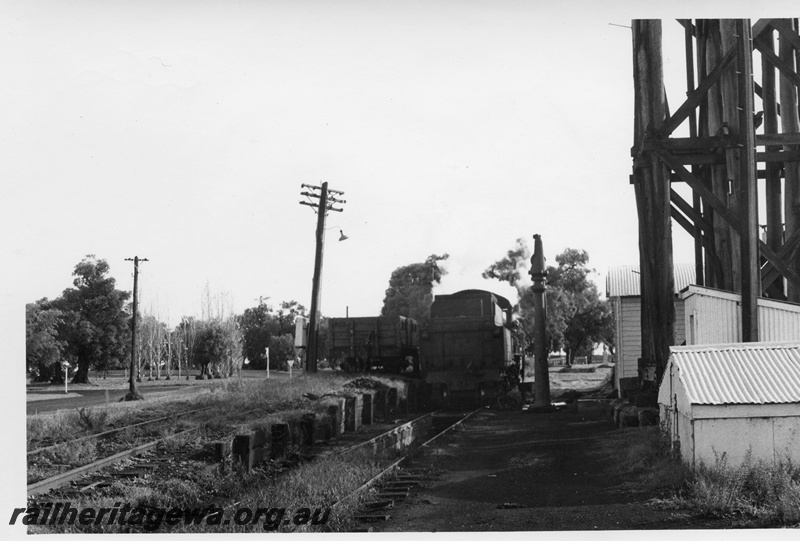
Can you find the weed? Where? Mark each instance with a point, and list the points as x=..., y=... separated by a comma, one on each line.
x=73, y=454
x=768, y=492
x=644, y=455
x=95, y=420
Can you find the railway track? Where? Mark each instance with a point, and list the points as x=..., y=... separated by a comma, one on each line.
x=153, y=463
x=393, y=484
x=112, y=453
x=108, y=433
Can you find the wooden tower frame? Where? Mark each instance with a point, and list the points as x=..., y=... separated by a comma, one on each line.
x=723, y=160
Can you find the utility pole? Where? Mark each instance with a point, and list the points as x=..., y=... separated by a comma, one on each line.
x=133, y=394
x=326, y=202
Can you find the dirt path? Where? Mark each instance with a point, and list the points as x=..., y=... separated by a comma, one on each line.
x=528, y=472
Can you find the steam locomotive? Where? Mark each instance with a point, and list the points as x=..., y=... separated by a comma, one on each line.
x=465, y=351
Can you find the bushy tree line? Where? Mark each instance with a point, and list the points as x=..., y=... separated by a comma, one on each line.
x=410, y=291
x=89, y=326
x=262, y=327
x=577, y=318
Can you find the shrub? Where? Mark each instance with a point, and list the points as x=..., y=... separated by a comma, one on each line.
x=768, y=492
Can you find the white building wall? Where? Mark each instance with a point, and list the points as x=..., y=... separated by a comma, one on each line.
x=733, y=438
x=680, y=322
x=778, y=321
x=770, y=439
x=630, y=328
x=628, y=314
x=786, y=435
x=712, y=320
x=714, y=317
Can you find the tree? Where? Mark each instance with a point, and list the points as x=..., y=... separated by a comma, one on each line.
x=152, y=333
x=210, y=347
x=95, y=326
x=410, y=291
x=281, y=350
x=287, y=314
x=577, y=318
x=188, y=331
x=42, y=346
x=259, y=324
x=586, y=315
x=218, y=348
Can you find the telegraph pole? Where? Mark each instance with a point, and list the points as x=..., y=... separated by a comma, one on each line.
x=326, y=202
x=133, y=394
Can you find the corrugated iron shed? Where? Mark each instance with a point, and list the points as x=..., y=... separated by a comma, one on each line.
x=624, y=280
x=741, y=373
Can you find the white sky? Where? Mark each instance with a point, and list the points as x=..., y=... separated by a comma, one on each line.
x=181, y=131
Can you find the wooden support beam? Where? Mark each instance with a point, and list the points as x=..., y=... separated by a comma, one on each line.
x=684, y=159
x=697, y=185
x=747, y=186
x=688, y=226
x=786, y=68
x=787, y=33
x=778, y=139
x=695, y=97
x=785, y=254
x=777, y=262
x=690, y=143
x=697, y=208
x=722, y=209
x=778, y=156
x=772, y=172
x=790, y=123
x=651, y=188
x=689, y=211
x=761, y=26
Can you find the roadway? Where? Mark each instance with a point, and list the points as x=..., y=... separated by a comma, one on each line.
x=49, y=398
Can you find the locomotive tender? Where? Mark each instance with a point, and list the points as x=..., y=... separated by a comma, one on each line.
x=467, y=349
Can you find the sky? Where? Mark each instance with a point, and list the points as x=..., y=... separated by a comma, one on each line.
x=181, y=132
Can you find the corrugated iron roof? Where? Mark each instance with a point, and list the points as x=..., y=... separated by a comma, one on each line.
x=741, y=373
x=624, y=280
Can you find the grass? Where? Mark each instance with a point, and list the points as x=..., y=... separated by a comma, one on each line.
x=759, y=493
x=643, y=456
x=224, y=396
x=312, y=485
x=766, y=492
x=317, y=484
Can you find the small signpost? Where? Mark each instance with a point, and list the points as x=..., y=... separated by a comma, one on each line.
x=290, y=363
x=266, y=352
x=66, y=365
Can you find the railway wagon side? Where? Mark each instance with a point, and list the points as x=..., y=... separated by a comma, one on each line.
x=467, y=348
x=388, y=343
